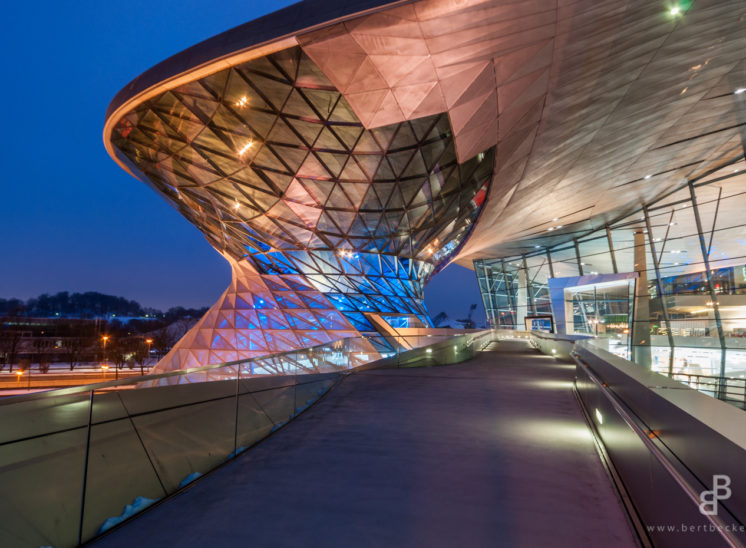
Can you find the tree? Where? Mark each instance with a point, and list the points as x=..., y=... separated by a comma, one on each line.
x=163, y=340
x=73, y=348
x=140, y=355
x=10, y=338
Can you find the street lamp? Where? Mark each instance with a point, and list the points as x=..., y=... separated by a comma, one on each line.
x=19, y=374
x=148, y=342
x=105, y=338
x=104, y=367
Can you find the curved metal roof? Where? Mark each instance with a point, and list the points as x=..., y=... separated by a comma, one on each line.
x=269, y=28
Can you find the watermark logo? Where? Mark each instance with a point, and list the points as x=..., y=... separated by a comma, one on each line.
x=708, y=505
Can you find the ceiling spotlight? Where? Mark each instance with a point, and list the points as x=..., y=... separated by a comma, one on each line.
x=648, y=176
x=242, y=102
x=676, y=10
x=550, y=228
x=559, y=226
x=739, y=91
x=555, y=219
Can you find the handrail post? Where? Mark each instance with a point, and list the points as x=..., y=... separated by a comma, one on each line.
x=85, y=466
x=235, y=422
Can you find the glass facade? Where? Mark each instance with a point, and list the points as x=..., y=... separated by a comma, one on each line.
x=685, y=311
x=269, y=161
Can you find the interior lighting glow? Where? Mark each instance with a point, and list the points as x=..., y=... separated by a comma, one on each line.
x=245, y=148
x=599, y=417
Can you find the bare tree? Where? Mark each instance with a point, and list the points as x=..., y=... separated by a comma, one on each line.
x=163, y=340
x=140, y=355
x=73, y=348
x=10, y=339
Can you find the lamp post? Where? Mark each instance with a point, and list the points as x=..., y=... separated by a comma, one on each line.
x=148, y=342
x=19, y=374
x=105, y=338
x=104, y=367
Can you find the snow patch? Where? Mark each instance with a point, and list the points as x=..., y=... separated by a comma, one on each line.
x=130, y=510
x=189, y=479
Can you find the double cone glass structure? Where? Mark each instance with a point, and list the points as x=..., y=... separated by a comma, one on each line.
x=323, y=221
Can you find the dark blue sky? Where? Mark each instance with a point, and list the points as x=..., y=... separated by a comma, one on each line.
x=71, y=219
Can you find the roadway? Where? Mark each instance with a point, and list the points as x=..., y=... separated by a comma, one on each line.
x=12, y=384
x=491, y=452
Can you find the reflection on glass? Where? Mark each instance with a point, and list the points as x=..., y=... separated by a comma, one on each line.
x=687, y=315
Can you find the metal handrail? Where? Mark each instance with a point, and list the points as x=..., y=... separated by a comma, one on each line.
x=190, y=371
x=102, y=424
x=728, y=389
x=644, y=436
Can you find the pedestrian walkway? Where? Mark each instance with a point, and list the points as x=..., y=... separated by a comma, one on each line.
x=491, y=452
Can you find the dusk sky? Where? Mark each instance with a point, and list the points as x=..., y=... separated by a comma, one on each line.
x=71, y=218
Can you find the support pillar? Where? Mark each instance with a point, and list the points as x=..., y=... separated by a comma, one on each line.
x=640, y=334
x=521, y=301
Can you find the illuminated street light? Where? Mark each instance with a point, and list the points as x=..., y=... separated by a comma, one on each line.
x=148, y=342
x=105, y=338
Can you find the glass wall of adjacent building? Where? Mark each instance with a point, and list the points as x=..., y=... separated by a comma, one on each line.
x=684, y=309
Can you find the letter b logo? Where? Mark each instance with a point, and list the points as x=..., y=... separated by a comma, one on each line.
x=708, y=505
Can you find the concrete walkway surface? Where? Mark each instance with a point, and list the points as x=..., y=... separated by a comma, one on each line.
x=491, y=452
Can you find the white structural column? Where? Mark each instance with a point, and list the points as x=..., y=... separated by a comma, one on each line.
x=521, y=301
